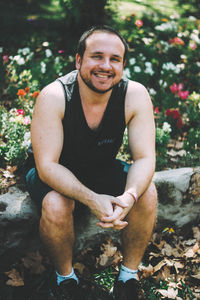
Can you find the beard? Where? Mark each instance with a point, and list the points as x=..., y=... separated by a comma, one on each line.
x=91, y=86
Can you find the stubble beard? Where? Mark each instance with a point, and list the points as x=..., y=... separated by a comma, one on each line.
x=90, y=85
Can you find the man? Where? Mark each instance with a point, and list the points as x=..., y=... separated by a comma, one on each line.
x=77, y=129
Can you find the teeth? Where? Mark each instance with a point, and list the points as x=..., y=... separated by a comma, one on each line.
x=102, y=76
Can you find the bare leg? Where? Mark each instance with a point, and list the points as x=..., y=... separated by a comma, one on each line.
x=57, y=230
x=136, y=235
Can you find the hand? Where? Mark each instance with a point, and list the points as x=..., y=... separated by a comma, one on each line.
x=103, y=206
x=116, y=220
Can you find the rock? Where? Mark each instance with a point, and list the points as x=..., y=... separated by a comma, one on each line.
x=179, y=205
x=18, y=223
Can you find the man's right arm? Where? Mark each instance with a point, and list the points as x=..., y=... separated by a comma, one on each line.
x=47, y=141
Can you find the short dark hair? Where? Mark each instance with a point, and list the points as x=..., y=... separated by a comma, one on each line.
x=101, y=28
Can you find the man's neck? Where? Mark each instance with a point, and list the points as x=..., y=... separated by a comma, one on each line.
x=90, y=96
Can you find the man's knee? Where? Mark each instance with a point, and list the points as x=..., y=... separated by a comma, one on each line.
x=56, y=207
x=148, y=201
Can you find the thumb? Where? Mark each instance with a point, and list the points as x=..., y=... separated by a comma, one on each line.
x=120, y=203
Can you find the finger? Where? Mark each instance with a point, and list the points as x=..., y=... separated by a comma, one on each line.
x=119, y=227
x=120, y=223
x=119, y=202
x=116, y=215
x=105, y=225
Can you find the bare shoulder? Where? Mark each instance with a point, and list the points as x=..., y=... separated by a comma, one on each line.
x=137, y=99
x=51, y=98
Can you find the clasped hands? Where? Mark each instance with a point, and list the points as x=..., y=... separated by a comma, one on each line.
x=113, y=210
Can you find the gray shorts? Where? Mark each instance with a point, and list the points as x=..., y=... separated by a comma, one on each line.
x=111, y=182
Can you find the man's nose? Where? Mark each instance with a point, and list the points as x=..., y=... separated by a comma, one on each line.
x=105, y=64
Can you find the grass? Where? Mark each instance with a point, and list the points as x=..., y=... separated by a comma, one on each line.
x=138, y=7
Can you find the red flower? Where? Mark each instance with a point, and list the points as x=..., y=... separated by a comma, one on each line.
x=27, y=89
x=156, y=110
x=174, y=88
x=20, y=112
x=21, y=92
x=139, y=23
x=35, y=94
x=183, y=94
x=176, y=41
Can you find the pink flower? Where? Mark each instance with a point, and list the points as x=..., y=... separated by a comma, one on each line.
x=20, y=112
x=5, y=59
x=183, y=94
x=139, y=23
x=176, y=87
x=60, y=51
x=27, y=120
x=156, y=110
x=193, y=45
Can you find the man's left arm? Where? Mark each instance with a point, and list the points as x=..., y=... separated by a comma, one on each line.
x=141, y=137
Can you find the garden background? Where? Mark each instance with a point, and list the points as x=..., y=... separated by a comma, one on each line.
x=38, y=44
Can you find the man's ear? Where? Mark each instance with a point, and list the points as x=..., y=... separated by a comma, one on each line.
x=125, y=61
x=78, y=61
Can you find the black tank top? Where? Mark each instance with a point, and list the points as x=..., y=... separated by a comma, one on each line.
x=86, y=150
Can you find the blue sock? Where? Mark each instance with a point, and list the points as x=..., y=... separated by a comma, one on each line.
x=126, y=274
x=61, y=278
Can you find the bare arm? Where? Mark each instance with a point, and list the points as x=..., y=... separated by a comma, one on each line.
x=141, y=136
x=47, y=141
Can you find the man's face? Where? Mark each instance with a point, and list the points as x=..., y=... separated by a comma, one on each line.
x=102, y=64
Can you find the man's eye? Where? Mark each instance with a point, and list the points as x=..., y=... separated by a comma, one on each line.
x=115, y=59
x=97, y=56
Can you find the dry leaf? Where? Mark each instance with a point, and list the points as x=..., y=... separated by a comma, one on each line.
x=196, y=233
x=33, y=262
x=79, y=267
x=15, y=278
x=159, y=266
x=146, y=271
x=170, y=293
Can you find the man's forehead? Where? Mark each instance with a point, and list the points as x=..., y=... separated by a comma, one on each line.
x=106, y=37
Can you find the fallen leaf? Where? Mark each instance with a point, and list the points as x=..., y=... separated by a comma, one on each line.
x=33, y=262
x=170, y=293
x=145, y=271
x=196, y=233
x=15, y=278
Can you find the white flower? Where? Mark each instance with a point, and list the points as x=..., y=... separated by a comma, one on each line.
x=183, y=56
x=181, y=66
x=27, y=140
x=43, y=67
x=137, y=69
x=166, y=127
x=165, y=45
x=20, y=60
x=168, y=26
x=194, y=37
x=24, y=51
x=191, y=18
x=147, y=41
x=149, y=69
x=163, y=83
x=169, y=66
x=152, y=92
x=1, y=49
x=132, y=61
x=45, y=44
x=48, y=52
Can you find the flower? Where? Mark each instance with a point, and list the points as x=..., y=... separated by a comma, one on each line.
x=176, y=87
x=156, y=110
x=183, y=94
x=48, y=53
x=176, y=41
x=35, y=94
x=27, y=120
x=166, y=127
x=192, y=45
x=21, y=92
x=175, y=115
x=20, y=112
x=27, y=89
x=60, y=51
x=5, y=59
x=139, y=23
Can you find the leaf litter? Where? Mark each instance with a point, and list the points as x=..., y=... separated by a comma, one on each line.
x=170, y=268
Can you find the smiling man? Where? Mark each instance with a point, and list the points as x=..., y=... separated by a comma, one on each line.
x=77, y=129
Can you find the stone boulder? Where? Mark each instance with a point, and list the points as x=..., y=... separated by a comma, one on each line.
x=179, y=205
